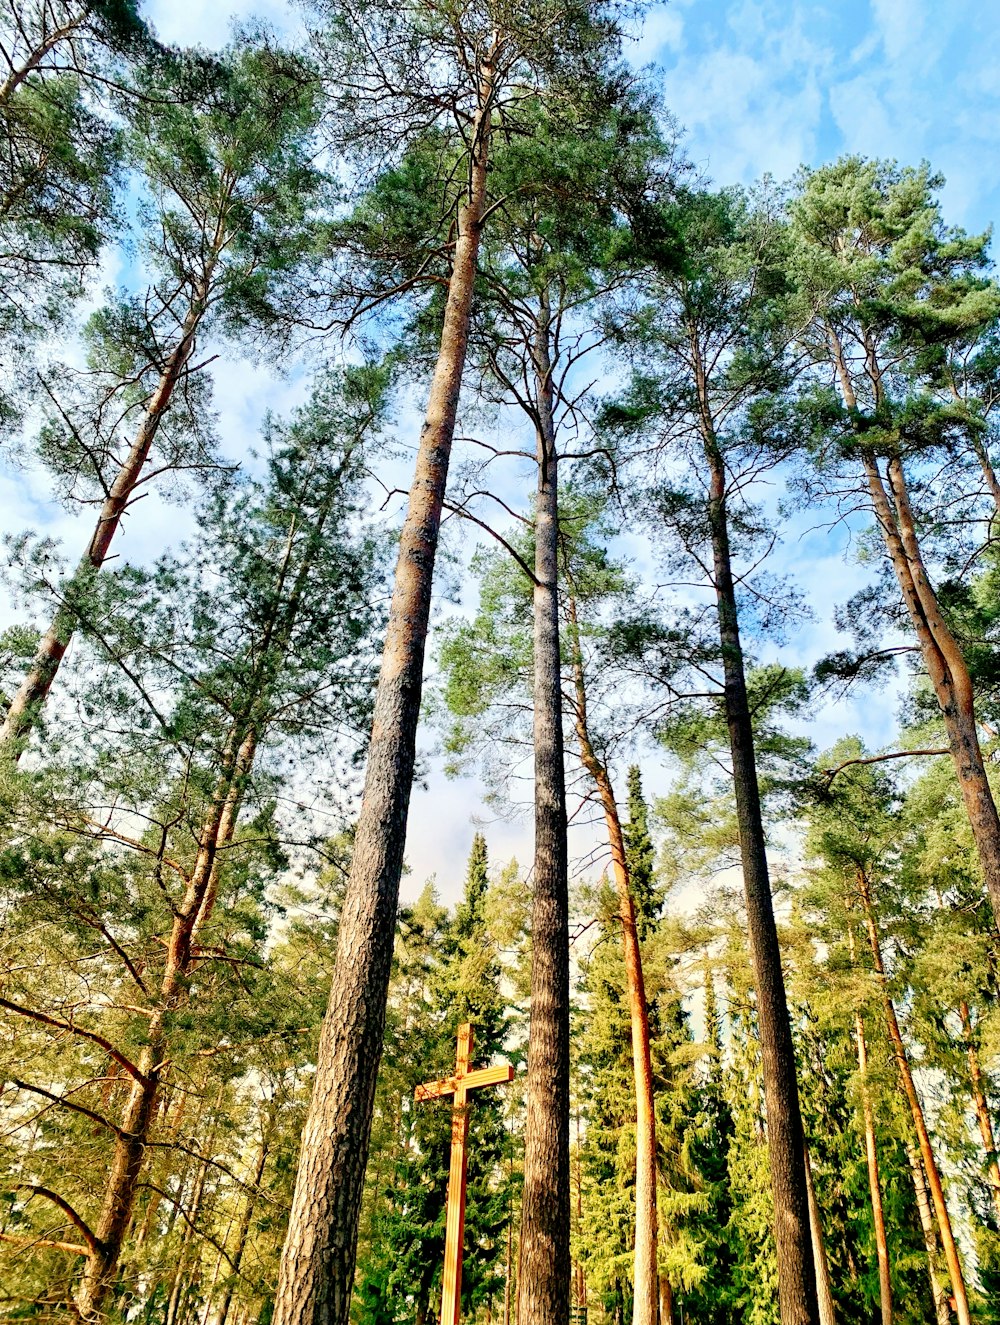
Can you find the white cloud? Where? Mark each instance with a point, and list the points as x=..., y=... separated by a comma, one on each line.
x=208, y=23
x=901, y=24
x=864, y=121
x=662, y=31
x=740, y=127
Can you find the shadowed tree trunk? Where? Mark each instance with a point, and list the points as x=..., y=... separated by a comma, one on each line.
x=666, y=1302
x=317, y=1265
x=544, y=1268
x=916, y=1110
x=785, y=1138
x=579, y=1274
x=645, y=1273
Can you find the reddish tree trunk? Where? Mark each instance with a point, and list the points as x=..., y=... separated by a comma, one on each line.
x=824, y=1289
x=916, y=1110
x=645, y=1272
x=140, y=1110
x=871, y=1159
x=982, y=1108
x=944, y=662
x=926, y=1216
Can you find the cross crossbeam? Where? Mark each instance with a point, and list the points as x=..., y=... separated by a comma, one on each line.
x=458, y=1085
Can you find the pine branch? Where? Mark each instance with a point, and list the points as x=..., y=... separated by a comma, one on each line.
x=89, y=1237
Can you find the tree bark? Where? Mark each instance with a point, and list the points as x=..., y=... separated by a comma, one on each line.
x=916, y=1109
x=986, y=465
x=786, y=1141
x=140, y=1109
x=31, y=694
x=871, y=1159
x=317, y=1264
x=938, y=1291
x=180, y=1281
x=645, y=1273
x=824, y=1290
x=544, y=1266
x=35, y=57
x=666, y=1301
x=944, y=662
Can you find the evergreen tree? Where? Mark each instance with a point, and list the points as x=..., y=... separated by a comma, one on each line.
x=238, y=671
x=881, y=274
x=60, y=165
x=226, y=223
x=717, y=354
x=445, y=972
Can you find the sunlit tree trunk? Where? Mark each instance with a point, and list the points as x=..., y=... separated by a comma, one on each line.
x=939, y=1292
x=243, y=1227
x=824, y=1289
x=31, y=694
x=982, y=1108
x=136, y=1124
x=871, y=1159
x=931, y=1170
x=317, y=1265
x=645, y=1273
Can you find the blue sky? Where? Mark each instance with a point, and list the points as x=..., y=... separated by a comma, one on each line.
x=766, y=85
x=759, y=86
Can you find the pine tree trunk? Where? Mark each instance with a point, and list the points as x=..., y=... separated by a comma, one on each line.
x=824, y=1290
x=917, y=1111
x=317, y=1264
x=874, y=1181
x=31, y=694
x=508, y=1271
x=986, y=465
x=645, y=1272
x=130, y=1146
x=938, y=1291
x=796, y=1273
x=544, y=1268
x=36, y=56
x=944, y=662
x=180, y=1280
x=871, y=1158
x=982, y=1109
x=666, y=1302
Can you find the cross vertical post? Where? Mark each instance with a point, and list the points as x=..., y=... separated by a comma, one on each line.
x=459, y=1086
x=451, y=1279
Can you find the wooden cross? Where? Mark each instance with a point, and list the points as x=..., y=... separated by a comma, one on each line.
x=459, y=1085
